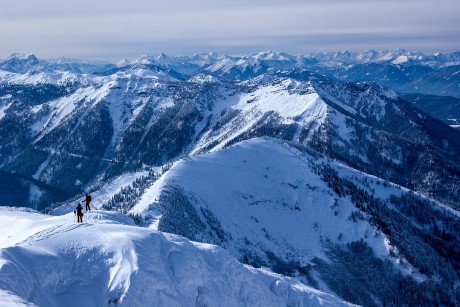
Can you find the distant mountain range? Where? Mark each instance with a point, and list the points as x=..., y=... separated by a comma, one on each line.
x=409, y=72
x=403, y=71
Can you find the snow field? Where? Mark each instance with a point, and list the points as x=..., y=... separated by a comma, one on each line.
x=51, y=261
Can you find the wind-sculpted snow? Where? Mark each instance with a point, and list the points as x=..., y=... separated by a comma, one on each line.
x=52, y=261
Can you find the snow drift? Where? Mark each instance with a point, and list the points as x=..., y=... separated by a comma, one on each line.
x=51, y=261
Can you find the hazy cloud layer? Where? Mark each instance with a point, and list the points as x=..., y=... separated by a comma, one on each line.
x=116, y=29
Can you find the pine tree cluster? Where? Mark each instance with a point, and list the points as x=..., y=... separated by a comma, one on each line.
x=425, y=234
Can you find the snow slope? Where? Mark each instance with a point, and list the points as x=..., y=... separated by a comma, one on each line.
x=290, y=101
x=305, y=216
x=105, y=261
x=267, y=198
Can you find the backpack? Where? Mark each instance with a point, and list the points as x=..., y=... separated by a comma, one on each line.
x=89, y=197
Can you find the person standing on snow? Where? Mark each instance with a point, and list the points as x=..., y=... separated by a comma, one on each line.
x=88, y=200
x=79, y=212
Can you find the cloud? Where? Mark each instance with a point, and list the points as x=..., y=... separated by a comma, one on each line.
x=101, y=28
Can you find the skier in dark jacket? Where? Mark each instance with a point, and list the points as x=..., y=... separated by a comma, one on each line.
x=79, y=212
x=87, y=201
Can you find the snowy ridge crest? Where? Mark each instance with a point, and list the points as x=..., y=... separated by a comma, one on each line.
x=125, y=265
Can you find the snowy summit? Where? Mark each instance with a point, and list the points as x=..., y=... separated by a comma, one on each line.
x=106, y=261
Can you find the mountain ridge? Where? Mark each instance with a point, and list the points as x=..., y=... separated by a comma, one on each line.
x=146, y=117
x=323, y=211
x=108, y=261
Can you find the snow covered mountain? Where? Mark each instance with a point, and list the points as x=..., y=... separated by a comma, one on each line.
x=74, y=130
x=268, y=156
x=400, y=70
x=395, y=57
x=28, y=63
x=275, y=206
x=20, y=63
x=106, y=261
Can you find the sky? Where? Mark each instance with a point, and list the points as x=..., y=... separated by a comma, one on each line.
x=113, y=30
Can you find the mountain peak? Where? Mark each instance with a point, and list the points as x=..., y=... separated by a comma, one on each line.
x=162, y=57
x=23, y=57
x=21, y=63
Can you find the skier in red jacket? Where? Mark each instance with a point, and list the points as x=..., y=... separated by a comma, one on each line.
x=88, y=200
